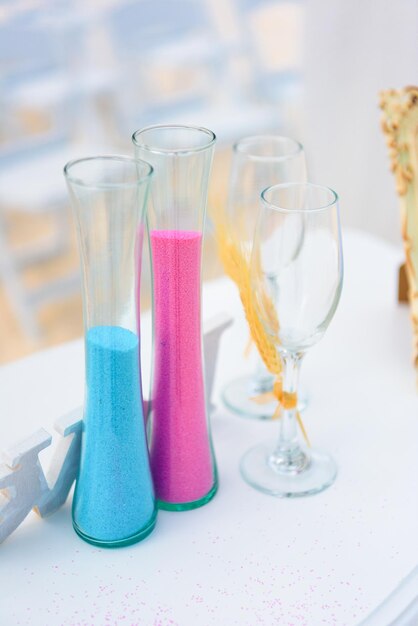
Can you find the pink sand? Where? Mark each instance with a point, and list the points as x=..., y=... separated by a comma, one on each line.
x=181, y=459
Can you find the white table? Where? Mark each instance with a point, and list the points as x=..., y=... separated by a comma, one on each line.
x=246, y=558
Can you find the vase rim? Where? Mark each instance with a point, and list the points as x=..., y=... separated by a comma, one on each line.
x=182, y=150
x=246, y=142
x=140, y=178
x=271, y=204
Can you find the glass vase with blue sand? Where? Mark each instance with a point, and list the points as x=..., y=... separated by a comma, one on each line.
x=114, y=502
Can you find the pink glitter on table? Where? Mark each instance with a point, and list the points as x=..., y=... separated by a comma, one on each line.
x=181, y=458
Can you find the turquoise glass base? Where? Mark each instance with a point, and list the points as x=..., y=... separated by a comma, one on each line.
x=188, y=506
x=119, y=543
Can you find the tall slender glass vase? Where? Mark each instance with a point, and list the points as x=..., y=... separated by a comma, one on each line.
x=114, y=502
x=182, y=459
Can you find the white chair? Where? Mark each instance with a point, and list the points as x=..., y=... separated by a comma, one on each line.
x=31, y=181
x=272, y=35
x=185, y=36
x=156, y=42
x=34, y=50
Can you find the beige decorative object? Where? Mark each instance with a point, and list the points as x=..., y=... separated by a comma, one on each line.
x=400, y=125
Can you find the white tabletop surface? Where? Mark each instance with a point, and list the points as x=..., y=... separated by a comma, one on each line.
x=246, y=558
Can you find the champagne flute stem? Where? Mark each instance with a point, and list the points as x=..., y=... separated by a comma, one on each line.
x=288, y=456
x=263, y=380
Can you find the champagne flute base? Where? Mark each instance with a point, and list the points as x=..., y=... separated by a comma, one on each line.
x=313, y=473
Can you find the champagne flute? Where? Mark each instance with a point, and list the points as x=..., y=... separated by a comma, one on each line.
x=296, y=272
x=258, y=162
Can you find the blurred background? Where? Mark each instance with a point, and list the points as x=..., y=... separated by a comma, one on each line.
x=78, y=77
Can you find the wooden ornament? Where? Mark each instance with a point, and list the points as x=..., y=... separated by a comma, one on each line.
x=400, y=126
x=22, y=480
x=402, y=284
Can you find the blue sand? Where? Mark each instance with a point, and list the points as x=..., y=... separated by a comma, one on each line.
x=114, y=496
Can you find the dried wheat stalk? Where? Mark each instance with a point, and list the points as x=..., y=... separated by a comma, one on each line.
x=237, y=267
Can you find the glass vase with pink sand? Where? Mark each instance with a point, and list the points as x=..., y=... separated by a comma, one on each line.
x=182, y=459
